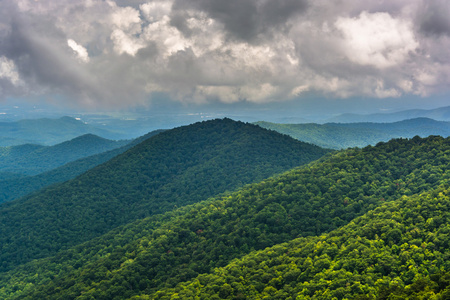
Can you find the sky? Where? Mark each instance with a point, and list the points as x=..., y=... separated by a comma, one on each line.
x=297, y=56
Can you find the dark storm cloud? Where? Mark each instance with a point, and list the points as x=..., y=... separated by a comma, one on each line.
x=43, y=59
x=434, y=18
x=46, y=64
x=31, y=50
x=243, y=19
x=117, y=53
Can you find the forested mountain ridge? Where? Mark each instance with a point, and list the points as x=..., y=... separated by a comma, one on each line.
x=347, y=135
x=174, y=168
x=14, y=188
x=35, y=159
x=162, y=251
x=397, y=251
x=47, y=131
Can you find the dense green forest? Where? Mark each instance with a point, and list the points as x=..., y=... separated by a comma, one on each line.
x=171, y=169
x=14, y=186
x=34, y=159
x=400, y=250
x=348, y=135
x=161, y=252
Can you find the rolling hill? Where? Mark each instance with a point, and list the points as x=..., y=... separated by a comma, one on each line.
x=440, y=114
x=341, y=136
x=397, y=251
x=48, y=131
x=149, y=257
x=14, y=186
x=34, y=159
x=172, y=169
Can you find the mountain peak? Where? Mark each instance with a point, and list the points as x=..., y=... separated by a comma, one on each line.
x=174, y=168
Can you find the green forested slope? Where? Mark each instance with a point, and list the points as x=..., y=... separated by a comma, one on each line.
x=12, y=188
x=161, y=251
x=9, y=155
x=34, y=159
x=400, y=250
x=341, y=136
x=326, y=135
x=174, y=168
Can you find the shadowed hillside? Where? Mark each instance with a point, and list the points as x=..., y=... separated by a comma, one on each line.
x=35, y=159
x=15, y=186
x=172, y=169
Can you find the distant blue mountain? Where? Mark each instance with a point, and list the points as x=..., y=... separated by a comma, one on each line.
x=13, y=185
x=48, y=131
x=345, y=135
x=439, y=114
x=33, y=159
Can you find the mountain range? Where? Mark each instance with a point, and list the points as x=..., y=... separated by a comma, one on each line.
x=32, y=159
x=14, y=185
x=48, y=131
x=163, y=221
x=347, y=135
x=439, y=114
x=171, y=169
x=14, y=160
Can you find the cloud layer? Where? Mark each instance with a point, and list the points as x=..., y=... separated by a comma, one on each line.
x=104, y=53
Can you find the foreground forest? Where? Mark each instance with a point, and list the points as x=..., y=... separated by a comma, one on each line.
x=328, y=222
x=397, y=251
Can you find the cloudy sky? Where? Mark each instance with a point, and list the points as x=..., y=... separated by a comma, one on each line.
x=128, y=53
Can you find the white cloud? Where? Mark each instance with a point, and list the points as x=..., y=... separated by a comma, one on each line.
x=168, y=38
x=125, y=18
x=124, y=43
x=259, y=93
x=427, y=78
x=226, y=94
x=297, y=91
x=8, y=70
x=156, y=10
x=382, y=92
x=377, y=39
x=81, y=52
x=406, y=85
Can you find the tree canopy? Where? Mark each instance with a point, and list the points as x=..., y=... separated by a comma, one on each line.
x=169, y=170
x=355, y=199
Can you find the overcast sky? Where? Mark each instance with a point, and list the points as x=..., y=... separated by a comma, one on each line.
x=117, y=54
